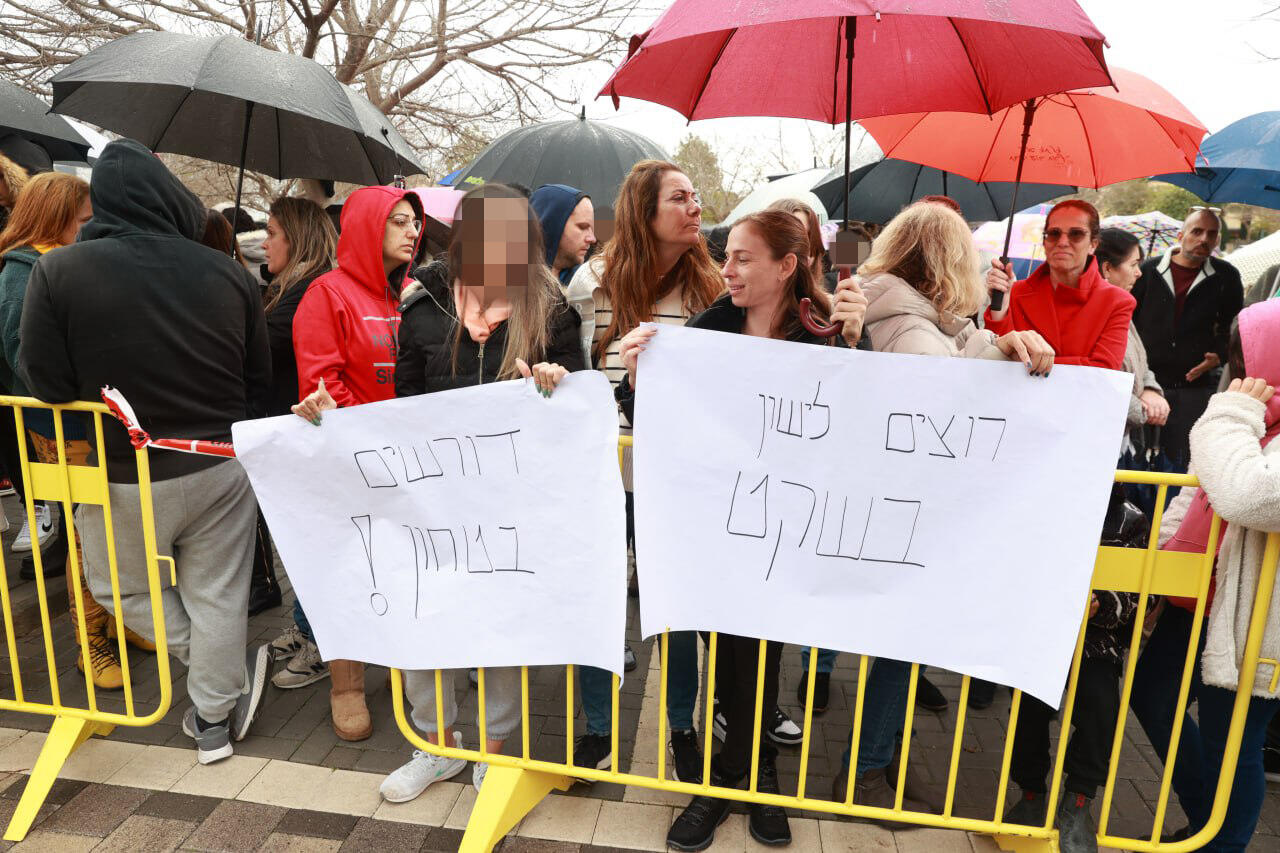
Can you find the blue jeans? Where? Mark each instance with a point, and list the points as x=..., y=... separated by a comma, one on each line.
x=1201, y=747
x=300, y=619
x=826, y=659
x=596, y=687
x=884, y=712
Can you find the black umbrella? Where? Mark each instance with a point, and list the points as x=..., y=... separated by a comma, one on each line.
x=877, y=191
x=587, y=155
x=230, y=101
x=25, y=115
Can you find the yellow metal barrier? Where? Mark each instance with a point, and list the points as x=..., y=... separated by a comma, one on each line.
x=514, y=784
x=76, y=716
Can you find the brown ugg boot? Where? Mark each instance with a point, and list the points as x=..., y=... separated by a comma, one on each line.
x=346, y=700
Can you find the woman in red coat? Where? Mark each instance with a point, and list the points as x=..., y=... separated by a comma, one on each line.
x=1066, y=299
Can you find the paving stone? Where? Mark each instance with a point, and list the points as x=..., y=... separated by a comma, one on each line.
x=62, y=790
x=235, y=826
x=442, y=840
x=279, y=842
x=167, y=804
x=538, y=845
x=370, y=834
x=146, y=832
x=96, y=810
x=318, y=824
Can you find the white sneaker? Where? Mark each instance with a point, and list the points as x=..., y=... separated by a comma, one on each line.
x=306, y=667
x=477, y=774
x=424, y=769
x=288, y=643
x=46, y=524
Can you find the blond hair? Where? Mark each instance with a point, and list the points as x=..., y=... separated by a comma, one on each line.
x=930, y=247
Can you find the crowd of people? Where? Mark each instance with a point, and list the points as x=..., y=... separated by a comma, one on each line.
x=130, y=281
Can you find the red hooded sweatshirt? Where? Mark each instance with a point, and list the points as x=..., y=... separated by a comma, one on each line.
x=346, y=327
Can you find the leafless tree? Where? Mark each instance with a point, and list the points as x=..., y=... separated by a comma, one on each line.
x=448, y=72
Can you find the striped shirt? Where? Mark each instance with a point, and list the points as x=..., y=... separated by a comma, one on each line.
x=586, y=295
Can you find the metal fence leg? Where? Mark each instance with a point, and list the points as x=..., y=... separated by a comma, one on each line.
x=1023, y=844
x=66, y=734
x=507, y=796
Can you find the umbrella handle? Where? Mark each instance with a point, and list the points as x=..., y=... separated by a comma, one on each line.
x=812, y=325
x=997, y=296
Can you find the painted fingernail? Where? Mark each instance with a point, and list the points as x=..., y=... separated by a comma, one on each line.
x=315, y=421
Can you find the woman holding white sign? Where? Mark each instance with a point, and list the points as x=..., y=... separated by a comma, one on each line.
x=344, y=337
x=767, y=272
x=922, y=284
x=500, y=296
x=655, y=268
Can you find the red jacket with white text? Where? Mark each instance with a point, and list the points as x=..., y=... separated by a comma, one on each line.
x=346, y=326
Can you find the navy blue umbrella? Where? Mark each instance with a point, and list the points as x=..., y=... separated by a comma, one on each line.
x=877, y=191
x=1240, y=163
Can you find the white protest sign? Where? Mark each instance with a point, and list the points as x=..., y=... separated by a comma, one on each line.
x=478, y=527
x=945, y=511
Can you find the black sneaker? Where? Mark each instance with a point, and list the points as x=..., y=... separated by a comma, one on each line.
x=981, y=694
x=594, y=751
x=1177, y=835
x=695, y=828
x=929, y=697
x=719, y=722
x=686, y=757
x=1074, y=833
x=628, y=659
x=821, y=691
x=768, y=824
x=783, y=730
x=1030, y=810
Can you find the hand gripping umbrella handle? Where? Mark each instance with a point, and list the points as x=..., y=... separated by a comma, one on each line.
x=812, y=325
x=997, y=296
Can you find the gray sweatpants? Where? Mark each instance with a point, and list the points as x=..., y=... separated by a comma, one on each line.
x=205, y=521
x=501, y=698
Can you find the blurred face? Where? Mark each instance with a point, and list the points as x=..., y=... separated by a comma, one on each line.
x=83, y=215
x=1199, y=236
x=276, y=247
x=578, y=237
x=495, y=246
x=1068, y=242
x=678, y=219
x=400, y=236
x=1127, y=273
x=755, y=279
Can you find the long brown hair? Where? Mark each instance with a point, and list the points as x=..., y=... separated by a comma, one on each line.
x=45, y=208
x=528, y=327
x=313, y=242
x=630, y=278
x=784, y=235
x=796, y=207
x=929, y=246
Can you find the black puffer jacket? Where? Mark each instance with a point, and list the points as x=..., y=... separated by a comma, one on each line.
x=428, y=318
x=723, y=316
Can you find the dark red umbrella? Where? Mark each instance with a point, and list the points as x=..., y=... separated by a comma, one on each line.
x=836, y=60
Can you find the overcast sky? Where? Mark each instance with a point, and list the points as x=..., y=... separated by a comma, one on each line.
x=1205, y=52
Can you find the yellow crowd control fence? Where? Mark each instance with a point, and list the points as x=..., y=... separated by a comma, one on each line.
x=514, y=784
x=67, y=477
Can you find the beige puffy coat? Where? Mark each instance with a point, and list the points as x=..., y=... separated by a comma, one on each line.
x=900, y=319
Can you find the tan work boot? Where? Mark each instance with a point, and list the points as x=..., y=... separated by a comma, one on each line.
x=131, y=637
x=102, y=655
x=346, y=700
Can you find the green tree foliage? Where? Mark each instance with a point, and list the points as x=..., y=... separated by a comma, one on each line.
x=696, y=159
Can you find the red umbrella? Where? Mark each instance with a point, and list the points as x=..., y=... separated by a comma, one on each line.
x=801, y=58
x=1086, y=137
